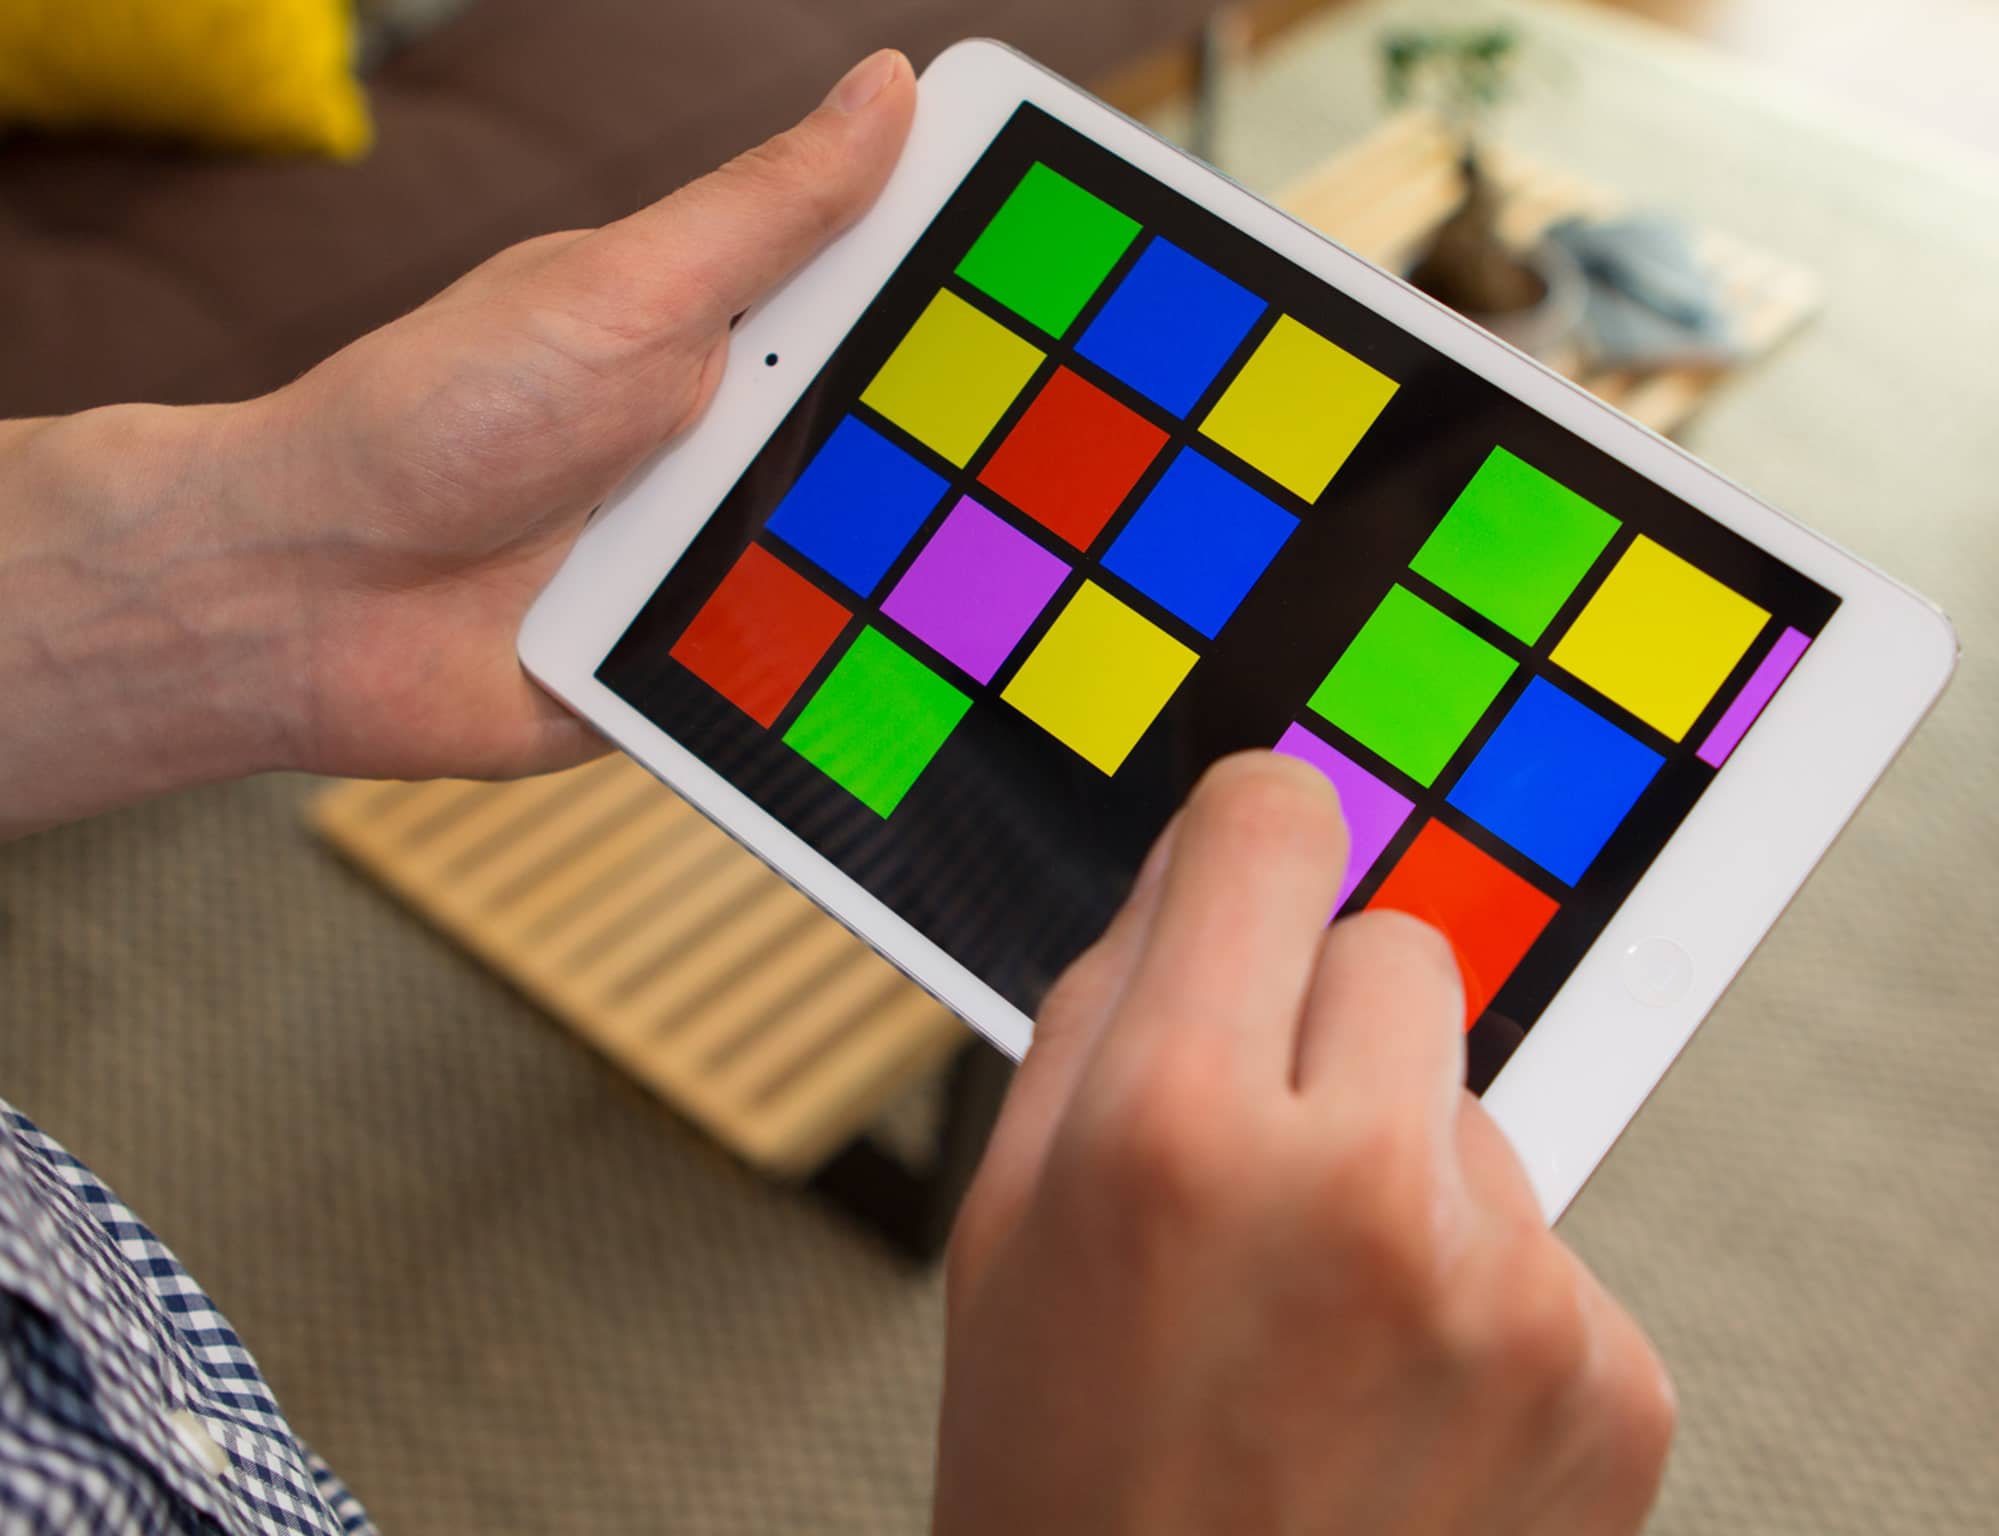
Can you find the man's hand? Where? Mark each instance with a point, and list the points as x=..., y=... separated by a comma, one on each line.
x=331, y=577
x=437, y=471
x=1244, y=1255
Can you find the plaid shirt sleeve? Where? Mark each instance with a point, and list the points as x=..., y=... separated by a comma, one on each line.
x=127, y=1403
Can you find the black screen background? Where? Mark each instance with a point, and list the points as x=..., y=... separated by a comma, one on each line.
x=1010, y=852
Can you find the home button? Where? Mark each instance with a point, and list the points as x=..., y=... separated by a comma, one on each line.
x=1656, y=972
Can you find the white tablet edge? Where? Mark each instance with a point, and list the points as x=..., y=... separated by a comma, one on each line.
x=1722, y=880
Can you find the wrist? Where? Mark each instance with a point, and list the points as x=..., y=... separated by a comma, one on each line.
x=146, y=616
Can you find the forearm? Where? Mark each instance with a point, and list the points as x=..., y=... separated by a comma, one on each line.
x=145, y=616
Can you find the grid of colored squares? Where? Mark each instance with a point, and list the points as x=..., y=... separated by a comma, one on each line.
x=1554, y=776
x=1013, y=531
x=1293, y=410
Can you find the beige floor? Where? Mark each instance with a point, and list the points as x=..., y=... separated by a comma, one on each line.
x=503, y=1293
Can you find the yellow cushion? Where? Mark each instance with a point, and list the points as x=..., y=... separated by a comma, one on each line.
x=267, y=75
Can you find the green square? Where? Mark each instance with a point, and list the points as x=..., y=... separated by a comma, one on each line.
x=1048, y=249
x=1514, y=545
x=1412, y=685
x=876, y=721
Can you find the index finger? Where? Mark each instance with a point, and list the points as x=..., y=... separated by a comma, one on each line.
x=1229, y=957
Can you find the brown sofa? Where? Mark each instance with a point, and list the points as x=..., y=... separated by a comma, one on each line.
x=132, y=274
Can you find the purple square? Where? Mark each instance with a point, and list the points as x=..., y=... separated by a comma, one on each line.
x=1374, y=812
x=974, y=590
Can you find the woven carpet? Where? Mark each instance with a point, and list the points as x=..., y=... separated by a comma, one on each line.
x=503, y=1292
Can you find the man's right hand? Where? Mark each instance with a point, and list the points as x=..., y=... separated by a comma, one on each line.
x=1245, y=1257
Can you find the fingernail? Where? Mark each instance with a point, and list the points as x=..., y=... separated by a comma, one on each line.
x=864, y=82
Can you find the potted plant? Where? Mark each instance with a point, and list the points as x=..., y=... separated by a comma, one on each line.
x=1532, y=298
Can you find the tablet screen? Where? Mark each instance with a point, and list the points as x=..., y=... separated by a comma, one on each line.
x=1100, y=489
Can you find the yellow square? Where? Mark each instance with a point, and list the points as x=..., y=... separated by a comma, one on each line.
x=952, y=377
x=1660, y=637
x=1099, y=677
x=1299, y=407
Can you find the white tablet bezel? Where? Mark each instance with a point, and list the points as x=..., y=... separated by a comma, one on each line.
x=1725, y=876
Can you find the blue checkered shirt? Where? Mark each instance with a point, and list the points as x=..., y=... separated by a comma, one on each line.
x=127, y=1403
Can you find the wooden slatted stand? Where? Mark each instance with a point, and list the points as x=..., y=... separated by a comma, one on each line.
x=1385, y=195
x=650, y=933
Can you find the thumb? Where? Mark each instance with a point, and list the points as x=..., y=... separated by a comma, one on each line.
x=700, y=257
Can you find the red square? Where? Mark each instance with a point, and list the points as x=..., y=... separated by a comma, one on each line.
x=760, y=635
x=1491, y=916
x=1073, y=458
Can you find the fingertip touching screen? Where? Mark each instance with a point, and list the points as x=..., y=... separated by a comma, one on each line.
x=1101, y=489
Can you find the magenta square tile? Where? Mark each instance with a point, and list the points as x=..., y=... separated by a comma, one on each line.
x=1374, y=812
x=975, y=588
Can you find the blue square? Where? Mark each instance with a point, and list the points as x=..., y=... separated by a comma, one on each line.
x=1170, y=326
x=1555, y=780
x=856, y=506
x=1199, y=541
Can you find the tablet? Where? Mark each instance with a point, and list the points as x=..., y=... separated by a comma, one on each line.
x=1074, y=467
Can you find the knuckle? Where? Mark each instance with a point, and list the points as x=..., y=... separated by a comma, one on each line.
x=514, y=262
x=1522, y=1321
x=1161, y=1160
x=1538, y=1337
x=535, y=247
x=1644, y=1418
x=1393, y=1230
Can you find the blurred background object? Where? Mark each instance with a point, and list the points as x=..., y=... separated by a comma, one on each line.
x=1579, y=289
x=501, y=1288
x=383, y=26
x=1528, y=294
x=247, y=76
